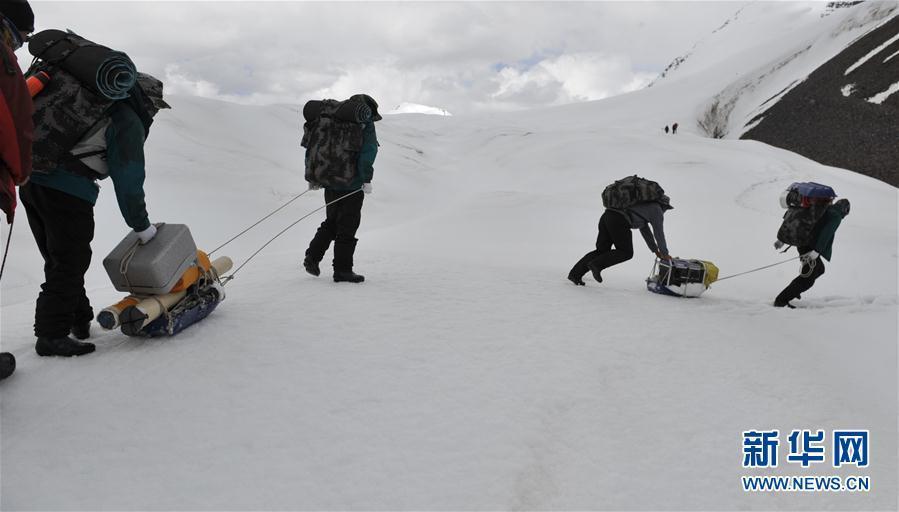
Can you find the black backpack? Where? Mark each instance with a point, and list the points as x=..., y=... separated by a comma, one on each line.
x=806, y=204
x=81, y=82
x=629, y=191
x=332, y=136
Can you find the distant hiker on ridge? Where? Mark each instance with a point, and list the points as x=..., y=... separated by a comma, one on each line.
x=631, y=203
x=16, y=127
x=674, y=129
x=103, y=137
x=666, y=128
x=341, y=146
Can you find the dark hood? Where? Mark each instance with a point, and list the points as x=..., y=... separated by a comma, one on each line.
x=372, y=104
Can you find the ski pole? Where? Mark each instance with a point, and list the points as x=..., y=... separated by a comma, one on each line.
x=757, y=269
x=6, y=251
x=259, y=221
x=228, y=278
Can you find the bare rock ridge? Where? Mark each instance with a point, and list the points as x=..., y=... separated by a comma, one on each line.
x=846, y=113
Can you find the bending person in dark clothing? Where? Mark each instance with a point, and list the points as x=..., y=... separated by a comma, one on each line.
x=615, y=231
x=822, y=247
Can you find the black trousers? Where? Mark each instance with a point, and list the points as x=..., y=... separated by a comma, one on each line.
x=614, y=231
x=341, y=222
x=63, y=227
x=810, y=273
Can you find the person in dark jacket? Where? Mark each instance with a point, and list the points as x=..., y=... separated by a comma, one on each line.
x=344, y=211
x=615, y=244
x=60, y=207
x=811, y=256
x=16, y=125
x=674, y=129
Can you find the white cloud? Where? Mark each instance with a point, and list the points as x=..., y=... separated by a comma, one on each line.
x=461, y=56
x=569, y=78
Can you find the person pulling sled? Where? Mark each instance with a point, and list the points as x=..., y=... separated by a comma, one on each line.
x=92, y=116
x=341, y=146
x=631, y=203
x=810, y=224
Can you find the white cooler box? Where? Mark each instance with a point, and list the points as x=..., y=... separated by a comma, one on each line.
x=154, y=268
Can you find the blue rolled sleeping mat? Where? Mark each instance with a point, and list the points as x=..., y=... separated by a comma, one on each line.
x=107, y=72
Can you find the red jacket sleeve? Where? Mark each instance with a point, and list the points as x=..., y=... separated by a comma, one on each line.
x=15, y=118
x=16, y=130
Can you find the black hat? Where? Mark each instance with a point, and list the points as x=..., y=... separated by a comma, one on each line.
x=20, y=13
x=843, y=206
x=152, y=88
x=665, y=201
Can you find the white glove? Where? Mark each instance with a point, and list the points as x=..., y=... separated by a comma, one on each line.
x=809, y=256
x=778, y=244
x=366, y=187
x=146, y=235
x=314, y=186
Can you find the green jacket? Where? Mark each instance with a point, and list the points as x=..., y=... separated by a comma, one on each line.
x=826, y=231
x=125, y=138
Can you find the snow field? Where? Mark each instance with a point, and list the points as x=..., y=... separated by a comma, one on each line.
x=467, y=372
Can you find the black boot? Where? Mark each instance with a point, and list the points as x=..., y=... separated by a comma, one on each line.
x=311, y=266
x=783, y=300
x=596, y=271
x=347, y=276
x=82, y=331
x=65, y=347
x=574, y=278
x=7, y=365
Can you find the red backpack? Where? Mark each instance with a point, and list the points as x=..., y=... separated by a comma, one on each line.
x=16, y=131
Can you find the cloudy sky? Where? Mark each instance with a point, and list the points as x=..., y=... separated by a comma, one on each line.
x=462, y=56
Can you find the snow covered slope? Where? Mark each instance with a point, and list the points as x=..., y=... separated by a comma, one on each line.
x=758, y=55
x=466, y=372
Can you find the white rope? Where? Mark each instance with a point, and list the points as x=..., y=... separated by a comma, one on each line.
x=259, y=221
x=757, y=269
x=126, y=262
x=228, y=278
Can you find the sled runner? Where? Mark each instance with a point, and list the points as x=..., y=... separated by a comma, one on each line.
x=681, y=278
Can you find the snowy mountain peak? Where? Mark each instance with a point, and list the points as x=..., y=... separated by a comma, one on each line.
x=415, y=108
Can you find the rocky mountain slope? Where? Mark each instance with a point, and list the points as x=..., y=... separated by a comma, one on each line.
x=811, y=78
x=846, y=113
